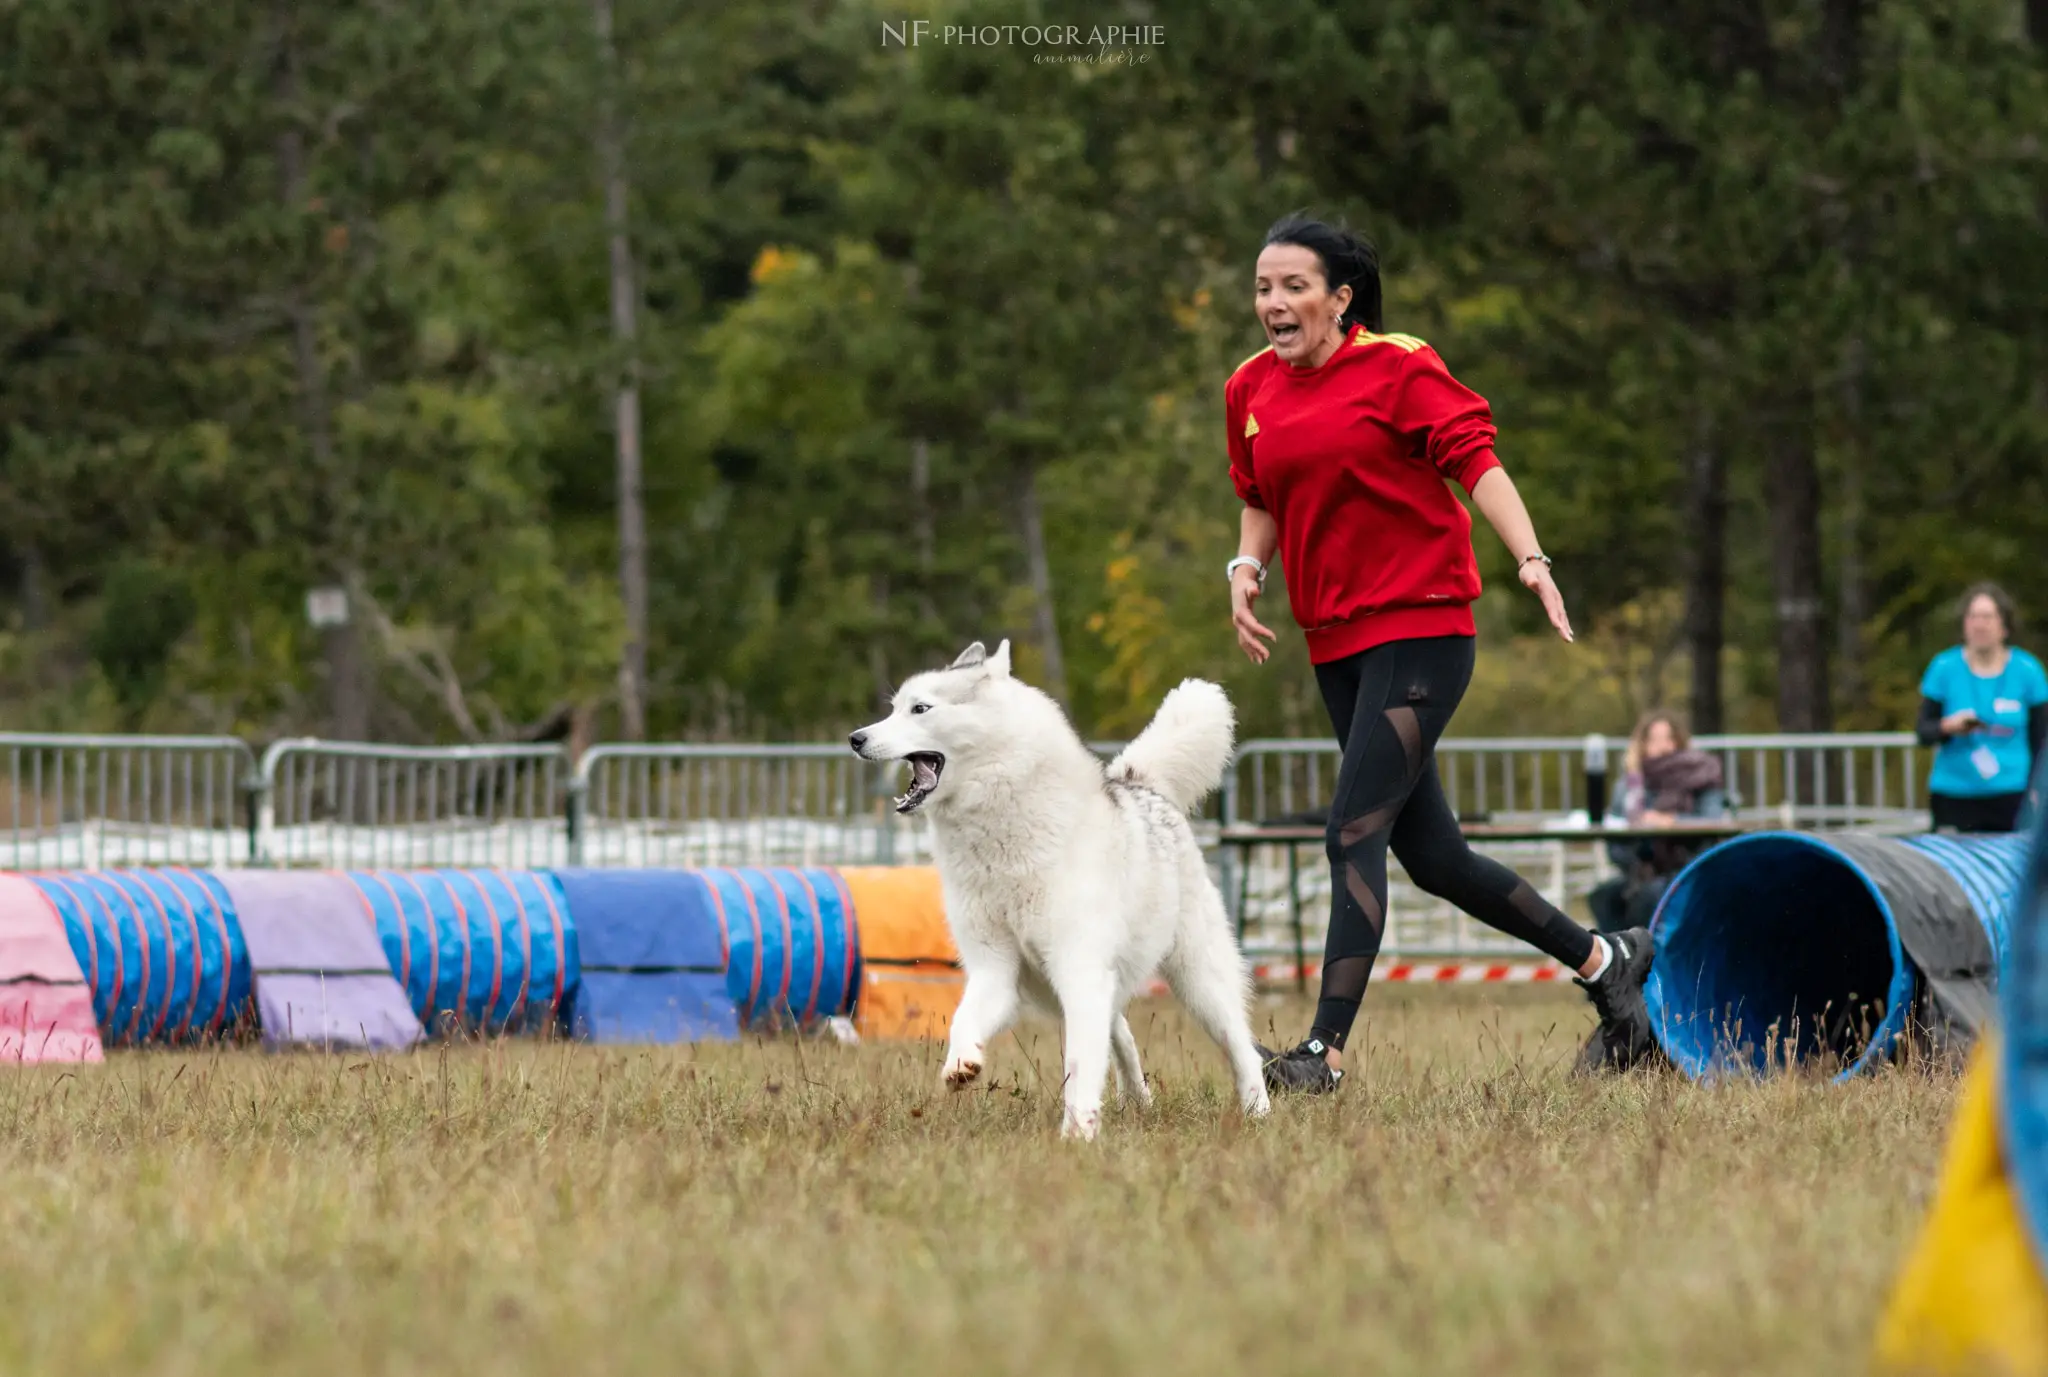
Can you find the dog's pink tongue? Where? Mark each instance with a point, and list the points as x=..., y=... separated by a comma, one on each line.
x=922, y=774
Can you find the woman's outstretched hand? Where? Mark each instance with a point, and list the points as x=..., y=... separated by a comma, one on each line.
x=1244, y=591
x=1536, y=578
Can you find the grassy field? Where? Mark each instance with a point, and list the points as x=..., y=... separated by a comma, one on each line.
x=1461, y=1208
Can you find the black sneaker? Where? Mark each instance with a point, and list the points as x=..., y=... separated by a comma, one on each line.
x=1623, y=1038
x=1302, y=1070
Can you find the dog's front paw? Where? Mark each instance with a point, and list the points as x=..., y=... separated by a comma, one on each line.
x=1258, y=1107
x=1076, y=1127
x=960, y=1072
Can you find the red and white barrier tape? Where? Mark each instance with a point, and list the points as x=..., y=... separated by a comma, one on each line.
x=1438, y=972
x=1422, y=973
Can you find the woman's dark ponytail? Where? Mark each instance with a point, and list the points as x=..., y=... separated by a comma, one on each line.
x=1349, y=260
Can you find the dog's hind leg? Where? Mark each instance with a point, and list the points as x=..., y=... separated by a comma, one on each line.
x=1088, y=1009
x=1130, y=1076
x=1208, y=976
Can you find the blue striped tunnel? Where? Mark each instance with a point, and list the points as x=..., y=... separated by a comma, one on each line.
x=793, y=944
x=161, y=950
x=488, y=950
x=1801, y=947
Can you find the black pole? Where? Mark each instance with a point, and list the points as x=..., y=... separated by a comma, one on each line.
x=1596, y=778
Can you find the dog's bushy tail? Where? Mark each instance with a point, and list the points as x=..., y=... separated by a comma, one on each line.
x=1183, y=751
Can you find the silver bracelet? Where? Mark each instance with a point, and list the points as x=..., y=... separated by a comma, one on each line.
x=1230, y=569
x=1526, y=558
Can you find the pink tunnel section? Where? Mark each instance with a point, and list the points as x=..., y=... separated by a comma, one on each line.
x=45, y=1009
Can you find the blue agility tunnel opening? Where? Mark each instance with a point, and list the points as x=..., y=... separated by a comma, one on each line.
x=1772, y=948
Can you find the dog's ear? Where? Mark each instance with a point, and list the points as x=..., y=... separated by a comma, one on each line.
x=999, y=663
x=972, y=656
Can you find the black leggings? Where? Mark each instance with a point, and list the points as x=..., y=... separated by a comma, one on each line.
x=1983, y=813
x=1389, y=705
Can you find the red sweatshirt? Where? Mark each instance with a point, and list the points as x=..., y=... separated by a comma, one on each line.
x=1351, y=458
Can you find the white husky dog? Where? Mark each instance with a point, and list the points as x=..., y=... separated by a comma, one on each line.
x=1068, y=883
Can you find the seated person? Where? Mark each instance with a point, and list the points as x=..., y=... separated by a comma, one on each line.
x=1665, y=780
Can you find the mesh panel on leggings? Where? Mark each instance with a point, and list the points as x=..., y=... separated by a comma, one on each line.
x=1408, y=727
x=1344, y=986
x=1380, y=819
x=1367, y=901
x=1345, y=977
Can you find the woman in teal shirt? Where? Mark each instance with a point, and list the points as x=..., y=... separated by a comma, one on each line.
x=1984, y=704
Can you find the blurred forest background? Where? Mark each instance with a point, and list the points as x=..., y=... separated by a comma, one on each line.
x=685, y=367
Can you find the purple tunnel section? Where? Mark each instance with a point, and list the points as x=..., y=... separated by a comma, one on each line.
x=321, y=977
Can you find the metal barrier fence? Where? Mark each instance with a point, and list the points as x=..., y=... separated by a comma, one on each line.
x=1863, y=781
x=687, y=804
x=1417, y=925
x=110, y=801
x=346, y=805
x=1838, y=780
x=739, y=805
x=93, y=802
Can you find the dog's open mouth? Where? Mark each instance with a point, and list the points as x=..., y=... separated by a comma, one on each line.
x=925, y=769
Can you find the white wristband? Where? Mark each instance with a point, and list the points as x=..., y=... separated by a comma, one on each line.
x=1230, y=569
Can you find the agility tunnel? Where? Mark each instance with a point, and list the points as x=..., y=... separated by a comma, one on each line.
x=1785, y=947
x=475, y=951
x=617, y=955
x=382, y=959
x=161, y=952
x=46, y=1008
x=652, y=957
x=320, y=974
x=911, y=978
x=793, y=944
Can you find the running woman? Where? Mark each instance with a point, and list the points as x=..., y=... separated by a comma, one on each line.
x=1341, y=440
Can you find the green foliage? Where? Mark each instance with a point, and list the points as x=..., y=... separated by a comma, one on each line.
x=300, y=295
x=144, y=612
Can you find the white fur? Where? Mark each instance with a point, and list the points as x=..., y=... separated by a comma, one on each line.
x=1069, y=886
x=1184, y=751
